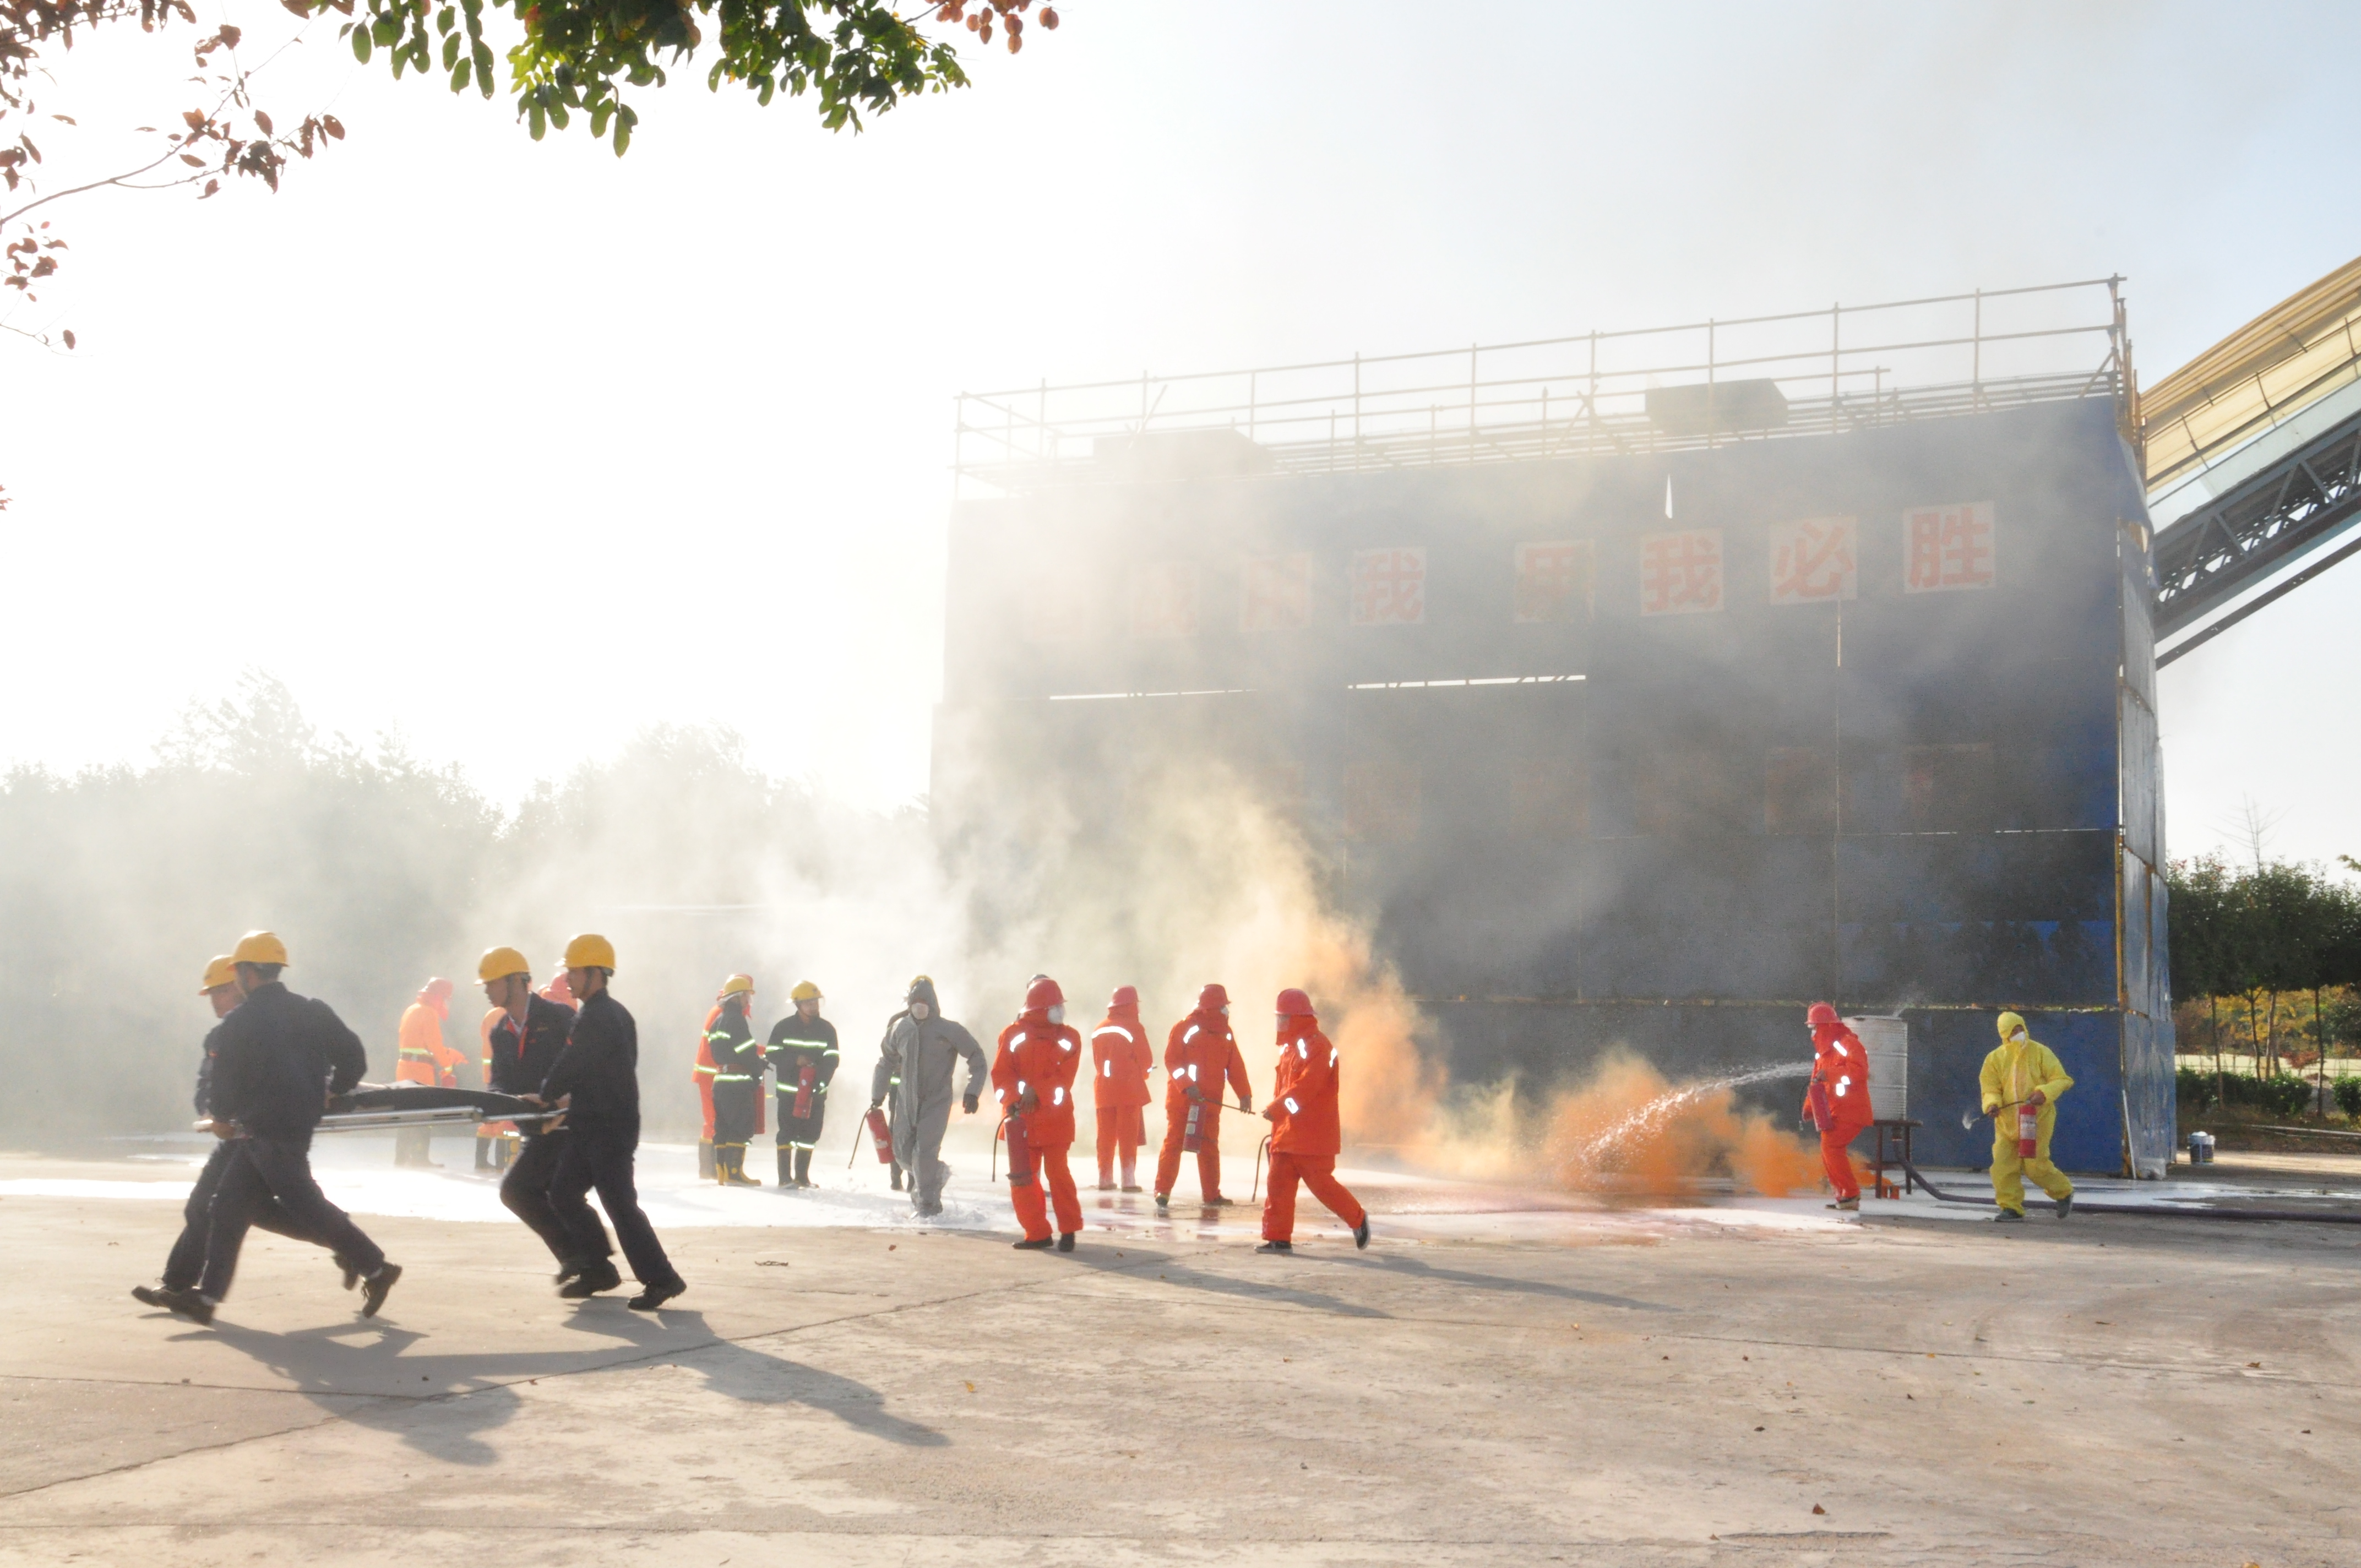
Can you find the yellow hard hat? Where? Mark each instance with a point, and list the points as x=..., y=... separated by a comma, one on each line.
x=499, y=963
x=737, y=982
x=804, y=991
x=258, y=948
x=2011, y=1026
x=221, y=972
x=588, y=951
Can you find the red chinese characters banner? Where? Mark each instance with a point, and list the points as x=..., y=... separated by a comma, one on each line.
x=1680, y=573
x=1164, y=599
x=1553, y=581
x=1389, y=587
x=1815, y=560
x=1946, y=547
x=1275, y=593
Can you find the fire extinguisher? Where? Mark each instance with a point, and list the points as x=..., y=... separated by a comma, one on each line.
x=1020, y=1147
x=881, y=1134
x=1192, y=1132
x=803, y=1081
x=2028, y=1131
x=1815, y=1101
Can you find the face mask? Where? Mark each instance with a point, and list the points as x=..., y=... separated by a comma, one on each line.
x=1057, y=1013
x=1225, y=1009
x=1280, y=1019
x=917, y=1010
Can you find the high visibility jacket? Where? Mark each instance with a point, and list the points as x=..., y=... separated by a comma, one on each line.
x=1304, y=1092
x=1045, y=1057
x=2014, y=1070
x=1199, y=1054
x=1121, y=1060
x=730, y=1041
x=1841, y=1069
x=797, y=1043
x=423, y=1057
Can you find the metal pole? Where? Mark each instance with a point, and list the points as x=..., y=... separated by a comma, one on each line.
x=1471, y=401
x=1976, y=363
x=1356, y=411
x=1712, y=416
x=1835, y=364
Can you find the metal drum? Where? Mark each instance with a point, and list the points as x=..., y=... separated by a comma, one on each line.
x=1888, y=1042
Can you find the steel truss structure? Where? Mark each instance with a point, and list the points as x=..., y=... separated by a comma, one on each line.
x=2290, y=510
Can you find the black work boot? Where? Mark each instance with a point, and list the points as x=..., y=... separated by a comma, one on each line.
x=1276, y=1246
x=378, y=1287
x=1065, y=1241
x=803, y=1167
x=787, y=1167
x=591, y=1279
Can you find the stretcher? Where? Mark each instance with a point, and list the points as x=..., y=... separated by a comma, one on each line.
x=384, y=1107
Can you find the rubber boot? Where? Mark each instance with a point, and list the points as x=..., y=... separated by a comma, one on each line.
x=720, y=1168
x=897, y=1178
x=705, y=1159
x=786, y=1166
x=483, y=1154
x=803, y=1167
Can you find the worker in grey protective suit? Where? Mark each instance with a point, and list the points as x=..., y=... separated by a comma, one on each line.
x=914, y=1067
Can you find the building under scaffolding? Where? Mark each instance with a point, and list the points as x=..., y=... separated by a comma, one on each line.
x=1637, y=688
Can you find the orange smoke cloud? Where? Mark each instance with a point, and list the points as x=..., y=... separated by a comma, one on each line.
x=1628, y=1131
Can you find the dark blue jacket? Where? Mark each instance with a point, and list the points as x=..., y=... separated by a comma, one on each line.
x=278, y=1058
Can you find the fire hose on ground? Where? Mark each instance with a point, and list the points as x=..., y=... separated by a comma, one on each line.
x=2081, y=1207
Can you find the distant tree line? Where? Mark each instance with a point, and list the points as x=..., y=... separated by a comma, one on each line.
x=2252, y=945
x=117, y=884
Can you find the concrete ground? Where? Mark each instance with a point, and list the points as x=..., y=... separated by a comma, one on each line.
x=1503, y=1377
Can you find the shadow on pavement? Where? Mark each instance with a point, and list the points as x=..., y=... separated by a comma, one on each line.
x=1396, y=1265
x=740, y=1372
x=1171, y=1271
x=375, y=1374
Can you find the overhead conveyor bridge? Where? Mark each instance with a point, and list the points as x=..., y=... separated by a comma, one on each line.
x=2253, y=456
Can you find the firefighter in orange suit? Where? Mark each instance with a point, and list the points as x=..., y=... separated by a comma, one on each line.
x=423, y=1058
x=1121, y=1060
x=1200, y=1054
x=701, y=1074
x=1032, y=1073
x=1304, y=1133
x=1837, y=1099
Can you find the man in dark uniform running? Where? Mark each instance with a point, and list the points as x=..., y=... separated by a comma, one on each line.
x=279, y=1058
x=595, y=1082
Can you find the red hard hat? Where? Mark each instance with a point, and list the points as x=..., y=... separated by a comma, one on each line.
x=1042, y=995
x=438, y=986
x=1822, y=1016
x=1294, y=1004
x=1125, y=996
x=1212, y=999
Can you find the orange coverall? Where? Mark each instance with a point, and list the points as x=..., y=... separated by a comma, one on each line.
x=1304, y=1133
x=1043, y=1057
x=1840, y=1077
x=1121, y=1060
x=423, y=1057
x=1199, y=1055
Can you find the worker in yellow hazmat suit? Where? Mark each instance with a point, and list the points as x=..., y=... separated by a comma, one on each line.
x=2021, y=1070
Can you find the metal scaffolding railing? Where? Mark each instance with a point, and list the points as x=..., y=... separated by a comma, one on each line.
x=1714, y=382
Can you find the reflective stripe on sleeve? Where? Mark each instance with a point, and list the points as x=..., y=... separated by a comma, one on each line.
x=1291, y=1106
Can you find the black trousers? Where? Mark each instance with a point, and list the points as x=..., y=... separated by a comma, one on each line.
x=187, y=1261
x=734, y=1100
x=601, y=1157
x=264, y=1169
x=801, y=1131
x=526, y=1190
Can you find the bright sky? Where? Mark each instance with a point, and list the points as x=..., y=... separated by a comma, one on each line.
x=513, y=449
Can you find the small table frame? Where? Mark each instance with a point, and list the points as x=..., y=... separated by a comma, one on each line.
x=1894, y=1151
